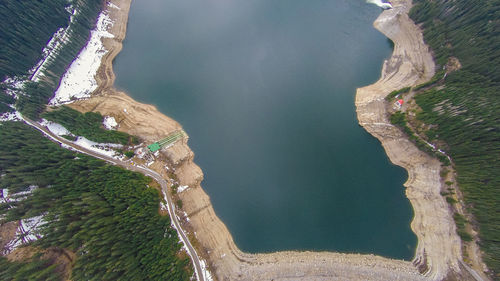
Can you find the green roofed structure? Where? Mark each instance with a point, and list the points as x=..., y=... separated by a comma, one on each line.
x=170, y=139
x=154, y=147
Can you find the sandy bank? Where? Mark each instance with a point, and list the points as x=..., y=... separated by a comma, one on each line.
x=439, y=247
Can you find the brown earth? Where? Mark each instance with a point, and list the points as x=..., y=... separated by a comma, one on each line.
x=63, y=259
x=438, y=253
x=7, y=233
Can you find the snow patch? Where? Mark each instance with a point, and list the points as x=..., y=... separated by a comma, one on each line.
x=163, y=206
x=51, y=50
x=11, y=116
x=113, y=6
x=186, y=216
x=380, y=3
x=28, y=230
x=8, y=197
x=106, y=149
x=100, y=148
x=4, y=192
x=55, y=128
x=182, y=188
x=109, y=123
x=204, y=268
x=14, y=86
x=79, y=80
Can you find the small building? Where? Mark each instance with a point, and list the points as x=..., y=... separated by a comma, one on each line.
x=154, y=147
x=398, y=104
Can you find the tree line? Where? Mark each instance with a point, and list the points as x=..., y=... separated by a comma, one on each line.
x=465, y=109
x=107, y=215
x=88, y=125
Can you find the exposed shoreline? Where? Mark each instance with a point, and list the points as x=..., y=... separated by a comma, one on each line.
x=439, y=248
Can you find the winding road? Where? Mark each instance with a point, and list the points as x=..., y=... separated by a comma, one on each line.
x=143, y=170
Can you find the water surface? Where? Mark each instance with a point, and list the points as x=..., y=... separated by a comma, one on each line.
x=265, y=89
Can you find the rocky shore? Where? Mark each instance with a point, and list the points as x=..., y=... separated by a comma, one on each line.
x=439, y=249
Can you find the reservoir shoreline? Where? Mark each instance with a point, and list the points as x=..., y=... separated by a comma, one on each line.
x=439, y=249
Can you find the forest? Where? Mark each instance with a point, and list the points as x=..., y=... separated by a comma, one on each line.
x=464, y=109
x=25, y=29
x=107, y=215
x=22, y=37
x=37, y=269
x=88, y=125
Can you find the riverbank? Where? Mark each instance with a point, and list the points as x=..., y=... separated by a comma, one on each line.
x=438, y=248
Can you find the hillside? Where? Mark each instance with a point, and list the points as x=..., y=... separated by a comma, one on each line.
x=459, y=110
x=68, y=215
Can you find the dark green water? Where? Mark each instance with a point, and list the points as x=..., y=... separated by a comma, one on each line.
x=265, y=89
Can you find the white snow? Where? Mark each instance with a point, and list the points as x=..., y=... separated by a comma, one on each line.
x=10, y=116
x=113, y=6
x=28, y=230
x=12, y=245
x=15, y=197
x=109, y=123
x=380, y=3
x=79, y=80
x=4, y=195
x=100, y=148
x=58, y=40
x=206, y=273
x=182, y=188
x=14, y=85
x=163, y=206
x=55, y=128
x=430, y=144
x=139, y=153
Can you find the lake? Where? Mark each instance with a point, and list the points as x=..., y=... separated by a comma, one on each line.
x=265, y=89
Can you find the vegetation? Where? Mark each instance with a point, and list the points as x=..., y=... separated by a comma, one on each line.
x=107, y=215
x=25, y=29
x=88, y=125
x=5, y=100
x=22, y=37
x=460, y=221
x=129, y=153
x=393, y=94
x=35, y=269
x=466, y=107
x=399, y=119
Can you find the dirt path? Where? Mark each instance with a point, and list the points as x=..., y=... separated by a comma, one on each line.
x=438, y=249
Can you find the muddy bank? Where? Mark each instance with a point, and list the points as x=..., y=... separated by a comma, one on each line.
x=438, y=248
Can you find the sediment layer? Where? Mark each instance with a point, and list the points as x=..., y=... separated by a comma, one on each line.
x=438, y=249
